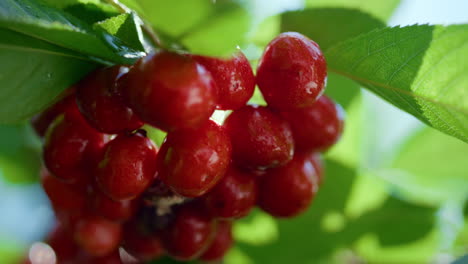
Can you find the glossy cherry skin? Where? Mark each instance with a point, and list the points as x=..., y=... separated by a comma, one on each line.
x=63, y=197
x=171, y=91
x=144, y=247
x=221, y=243
x=260, y=138
x=287, y=191
x=189, y=234
x=191, y=162
x=292, y=72
x=97, y=235
x=234, y=78
x=128, y=166
x=234, y=196
x=97, y=99
x=316, y=127
x=72, y=146
x=42, y=121
x=114, y=210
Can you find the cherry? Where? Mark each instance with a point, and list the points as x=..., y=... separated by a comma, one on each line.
x=61, y=241
x=144, y=247
x=170, y=91
x=114, y=210
x=102, y=107
x=63, y=197
x=260, y=138
x=221, y=244
x=234, y=196
x=292, y=72
x=42, y=121
x=316, y=127
x=192, y=161
x=128, y=166
x=71, y=145
x=317, y=162
x=190, y=234
x=287, y=191
x=97, y=235
x=234, y=78
x=112, y=258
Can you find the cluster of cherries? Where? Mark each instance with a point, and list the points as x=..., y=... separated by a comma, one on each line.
x=111, y=187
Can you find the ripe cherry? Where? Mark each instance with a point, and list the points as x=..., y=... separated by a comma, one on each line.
x=316, y=127
x=221, y=243
x=171, y=91
x=97, y=235
x=97, y=98
x=71, y=146
x=112, y=258
x=192, y=161
x=190, y=234
x=234, y=78
x=292, y=72
x=42, y=121
x=260, y=138
x=141, y=245
x=63, y=197
x=287, y=191
x=61, y=241
x=114, y=210
x=128, y=166
x=234, y=196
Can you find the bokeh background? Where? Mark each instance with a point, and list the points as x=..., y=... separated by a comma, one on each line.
x=395, y=189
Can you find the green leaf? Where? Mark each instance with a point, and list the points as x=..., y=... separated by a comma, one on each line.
x=31, y=78
x=125, y=27
x=90, y=12
x=378, y=8
x=204, y=27
x=420, y=69
x=431, y=168
x=329, y=26
x=19, y=154
x=54, y=26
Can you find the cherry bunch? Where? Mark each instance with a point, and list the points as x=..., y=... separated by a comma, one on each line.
x=111, y=187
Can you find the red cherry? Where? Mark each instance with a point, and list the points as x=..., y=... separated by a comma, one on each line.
x=97, y=235
x=317, y=127
x=317, y=161
x=144, y=247
x=63, y=197
x=103, y=109
x=234, y=78
x=61, y=241
x=171, y=91
x=42, y=121
x=292, y=72
x=114, y=210
x=189, y=235
x=287, y=191
x=71, y=146
x=192, y=161
x=260, y=138
x=128, y=167
x=112, y=258
x=234, y=196
x=221, y=244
